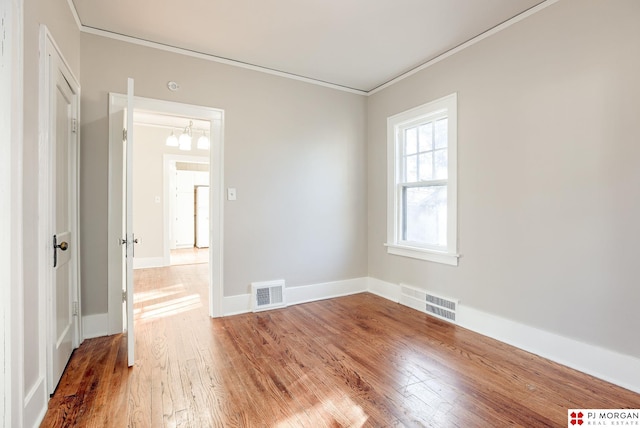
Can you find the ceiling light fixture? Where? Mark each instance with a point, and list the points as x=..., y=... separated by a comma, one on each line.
x=185, y=138
x=172, y=140
x=203, y=142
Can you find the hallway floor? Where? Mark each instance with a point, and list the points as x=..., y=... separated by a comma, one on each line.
x=188, y=256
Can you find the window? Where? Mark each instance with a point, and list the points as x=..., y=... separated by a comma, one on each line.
x=422, y=217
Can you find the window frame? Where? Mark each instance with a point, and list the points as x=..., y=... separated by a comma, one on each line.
x=396, y=124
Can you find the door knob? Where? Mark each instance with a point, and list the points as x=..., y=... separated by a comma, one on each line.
x=63, y=246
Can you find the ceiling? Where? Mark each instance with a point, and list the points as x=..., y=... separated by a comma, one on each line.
x=175, y=123
x=355, y=44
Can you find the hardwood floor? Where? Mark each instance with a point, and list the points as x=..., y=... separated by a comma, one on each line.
x=353, y=361
x=188, y=256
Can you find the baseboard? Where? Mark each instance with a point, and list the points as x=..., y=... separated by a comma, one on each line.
x=326, y=290
x=619, y=369
x=35, y=403
x=234, y=305
x=384, y=289
x=148, y=262
x=95, y=326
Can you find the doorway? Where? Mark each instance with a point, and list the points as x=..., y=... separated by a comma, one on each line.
x=187, y=188
x=171, y=111
x=166, y=181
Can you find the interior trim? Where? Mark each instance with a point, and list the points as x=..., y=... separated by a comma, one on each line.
x=227, y=61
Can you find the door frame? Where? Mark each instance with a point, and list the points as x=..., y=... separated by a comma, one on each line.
x=167, y=161
x=46, y=204
x=11, y=257
x=216, y=197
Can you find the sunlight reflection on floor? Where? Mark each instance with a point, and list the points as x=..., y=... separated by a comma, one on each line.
x=144, y=296
x=168, y=307
x=323, y=414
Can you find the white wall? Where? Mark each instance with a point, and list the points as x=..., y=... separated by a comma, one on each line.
x=294, y=151
x=548, y=173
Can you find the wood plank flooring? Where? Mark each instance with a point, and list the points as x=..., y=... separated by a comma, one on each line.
x=348, y=362
x=188, y=256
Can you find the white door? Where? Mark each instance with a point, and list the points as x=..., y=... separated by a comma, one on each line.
x=130, y=239
x=63, y=129
x=183, y=225
x=202, y=216
x=121, y=237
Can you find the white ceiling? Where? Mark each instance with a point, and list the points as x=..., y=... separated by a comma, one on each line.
x=176, y=123
x=357, y=44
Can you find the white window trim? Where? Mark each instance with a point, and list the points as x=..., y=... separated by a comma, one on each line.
x=394, y=245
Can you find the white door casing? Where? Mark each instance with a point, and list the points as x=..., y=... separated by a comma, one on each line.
x=117, y=104
x=117, y=222
x=11, y=280
x=58, y=200
x=169, y=191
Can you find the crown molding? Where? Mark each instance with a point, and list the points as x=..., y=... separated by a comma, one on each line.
x=468, y=43
x=226, y=61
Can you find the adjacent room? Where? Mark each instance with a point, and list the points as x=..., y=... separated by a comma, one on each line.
x=320, y=214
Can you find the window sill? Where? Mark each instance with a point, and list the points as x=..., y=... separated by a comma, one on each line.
x=423, y=254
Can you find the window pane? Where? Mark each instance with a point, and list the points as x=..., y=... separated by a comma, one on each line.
x=425, y=215
x=441, y=164
x=426, y=137
x=411, y=141
x=441, y=133
x=426, y=166
x=411, y=168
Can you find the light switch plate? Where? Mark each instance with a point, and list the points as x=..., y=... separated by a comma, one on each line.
x=231, y=194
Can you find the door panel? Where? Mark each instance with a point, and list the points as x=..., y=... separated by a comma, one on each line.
x=121, y=239
x=62, y=296
x=202, y=216
x=131, y=241
x=184, y=231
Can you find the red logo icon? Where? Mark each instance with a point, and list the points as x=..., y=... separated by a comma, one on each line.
x=576, y=418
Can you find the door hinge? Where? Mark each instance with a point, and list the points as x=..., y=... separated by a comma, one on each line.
x=124, y=295
x=74, y=125
x=75, y=309
x=124, y=135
